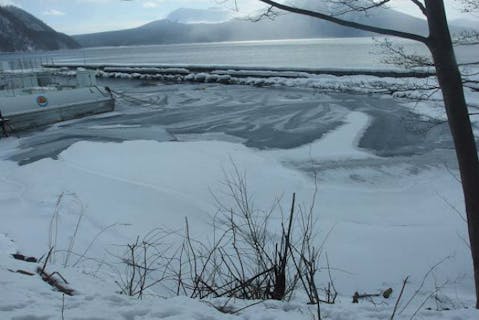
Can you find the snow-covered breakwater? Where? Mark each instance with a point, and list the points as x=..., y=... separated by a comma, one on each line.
x=239, y=71
x=393, y=81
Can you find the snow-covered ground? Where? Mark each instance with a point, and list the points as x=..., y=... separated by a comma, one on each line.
x=384, y=211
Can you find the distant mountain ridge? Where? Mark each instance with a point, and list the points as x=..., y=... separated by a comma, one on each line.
x=288, y=26
x=188, y=15
x=21, y=31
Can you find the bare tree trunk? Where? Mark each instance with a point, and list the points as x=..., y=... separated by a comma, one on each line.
x=450, y=81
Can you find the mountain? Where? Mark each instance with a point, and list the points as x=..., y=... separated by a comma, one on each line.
x=287, y=26
x=21, y=31
x=188, y=15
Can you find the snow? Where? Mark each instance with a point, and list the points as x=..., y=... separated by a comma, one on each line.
x=118, y=126
x=379, y=223
x=353, y=83
x=227, y=67
x=158, y=180
x=338, y=145
x=154, y=180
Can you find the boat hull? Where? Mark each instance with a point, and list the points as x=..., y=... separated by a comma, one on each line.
x=43, y=117
x=40, y=109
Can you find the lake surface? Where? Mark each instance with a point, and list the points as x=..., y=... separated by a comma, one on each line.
x=347, y=53
x=260, y=118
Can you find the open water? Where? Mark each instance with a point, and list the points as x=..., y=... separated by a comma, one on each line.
x=349, y=53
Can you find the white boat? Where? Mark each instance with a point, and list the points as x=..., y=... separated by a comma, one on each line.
x=32, y=99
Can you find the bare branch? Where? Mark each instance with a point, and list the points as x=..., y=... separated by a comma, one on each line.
x=270, y=13
x=346, y=23
x=399, y=297
x=421, y=6
x=397, y=55
x=357, y=6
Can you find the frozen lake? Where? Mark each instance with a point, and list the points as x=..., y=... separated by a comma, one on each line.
x=307, y=53
x=379, y=174
x=260, y=118
x=381, y=171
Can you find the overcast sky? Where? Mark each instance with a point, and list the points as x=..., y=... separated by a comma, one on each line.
x=86, y=16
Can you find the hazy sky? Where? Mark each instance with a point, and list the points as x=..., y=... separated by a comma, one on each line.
x=85, y=16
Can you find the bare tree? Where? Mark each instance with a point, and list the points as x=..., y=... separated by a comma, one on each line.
x=440, y=45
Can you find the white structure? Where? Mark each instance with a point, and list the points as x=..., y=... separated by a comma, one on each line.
x=86, y=78
x=28, y=105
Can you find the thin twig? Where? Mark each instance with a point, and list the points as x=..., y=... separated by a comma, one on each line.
x=399, y=297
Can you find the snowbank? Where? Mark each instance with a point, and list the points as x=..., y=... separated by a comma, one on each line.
x=378, y=223
x=394, y=228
